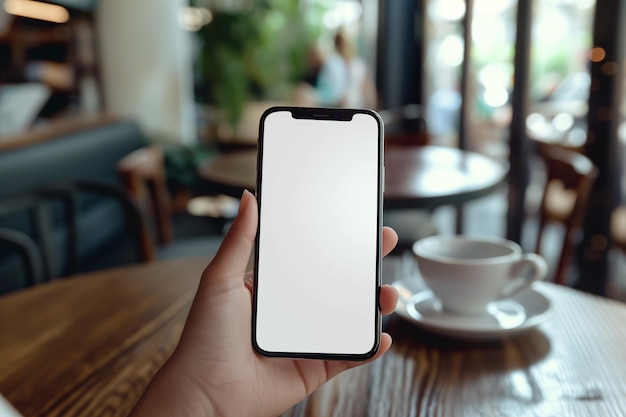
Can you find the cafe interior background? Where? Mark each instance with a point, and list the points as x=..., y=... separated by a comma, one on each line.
x=196, y=74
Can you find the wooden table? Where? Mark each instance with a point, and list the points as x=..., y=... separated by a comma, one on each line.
x=415, y=177
x=88, y=345
x=572, y=365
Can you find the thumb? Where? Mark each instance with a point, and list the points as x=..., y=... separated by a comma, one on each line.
x=232, y=258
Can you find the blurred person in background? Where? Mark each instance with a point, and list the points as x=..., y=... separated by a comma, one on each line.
x=343, y=79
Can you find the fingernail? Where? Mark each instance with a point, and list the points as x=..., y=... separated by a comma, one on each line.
x=245, y=197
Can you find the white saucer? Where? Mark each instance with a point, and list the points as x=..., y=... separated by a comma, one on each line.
x=505, y=318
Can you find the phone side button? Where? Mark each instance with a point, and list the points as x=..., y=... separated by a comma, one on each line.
x=383, y=178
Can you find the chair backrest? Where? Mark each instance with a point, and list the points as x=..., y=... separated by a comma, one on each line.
x=569, y=178
x=31, y=238
x=405, y=126
x=41, y=227
x=143, y=175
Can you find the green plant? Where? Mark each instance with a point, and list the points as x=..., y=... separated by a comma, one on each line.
x=256, y=53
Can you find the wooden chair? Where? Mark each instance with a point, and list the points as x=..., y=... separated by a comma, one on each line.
x=143, y=174
x=405, y=126
x=618, y=228
x=569, y=178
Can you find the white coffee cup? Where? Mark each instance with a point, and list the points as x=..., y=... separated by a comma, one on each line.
x=467, y=273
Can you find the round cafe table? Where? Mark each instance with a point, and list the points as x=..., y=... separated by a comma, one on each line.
x=415, y=177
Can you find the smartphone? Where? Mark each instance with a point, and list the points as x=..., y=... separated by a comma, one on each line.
x=318, y=248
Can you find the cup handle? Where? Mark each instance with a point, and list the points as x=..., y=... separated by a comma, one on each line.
x=530, y=268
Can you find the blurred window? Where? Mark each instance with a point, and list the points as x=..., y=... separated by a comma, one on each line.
x=561, y=41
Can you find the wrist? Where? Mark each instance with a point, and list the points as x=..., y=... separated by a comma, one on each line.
x=170, y=393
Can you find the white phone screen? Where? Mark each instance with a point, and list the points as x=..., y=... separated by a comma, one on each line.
x=318, y=248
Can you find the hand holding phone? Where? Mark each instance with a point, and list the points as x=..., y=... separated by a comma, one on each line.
x=319, y=175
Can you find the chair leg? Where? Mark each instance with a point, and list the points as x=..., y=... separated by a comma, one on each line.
x=566, y=257
x=41, y=223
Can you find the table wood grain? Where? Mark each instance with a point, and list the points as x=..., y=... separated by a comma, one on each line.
x=88, y=345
